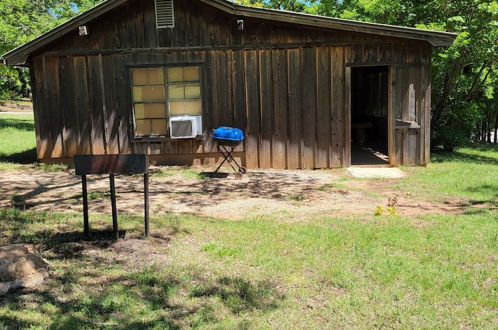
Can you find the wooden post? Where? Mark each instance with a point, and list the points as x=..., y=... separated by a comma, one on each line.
x=114, y=208
x=86, y=225
x=146, y=204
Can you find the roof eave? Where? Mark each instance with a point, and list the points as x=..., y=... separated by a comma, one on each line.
x=435, y=38
x=19, y=55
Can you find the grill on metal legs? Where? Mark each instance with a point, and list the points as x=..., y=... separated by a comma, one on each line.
x=227, y=139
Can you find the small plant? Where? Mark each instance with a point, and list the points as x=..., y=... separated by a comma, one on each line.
x=51, y=167
x=390, y=209
x=295, y=197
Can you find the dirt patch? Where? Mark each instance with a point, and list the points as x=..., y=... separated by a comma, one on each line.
x=9, y=106
x=287, y=195
x=132, y=253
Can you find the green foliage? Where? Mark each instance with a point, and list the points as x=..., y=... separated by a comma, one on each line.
x=22, y=21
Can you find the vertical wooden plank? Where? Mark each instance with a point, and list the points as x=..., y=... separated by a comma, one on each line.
x=252, y=108
x=111, y=104
x=124, y=105
x=404, y=145
x=36, y=73
x=309, y=107
x=279, y=72
x=224, y=88
x=96, y=106
x=81, y=107
x=338, y=106
x=347, y=113
x=266, y=109
x=412, y=146
x=54, y=111
x=391, y=99
x=70, y=122
x=294, y=110
x=184, y=146
x=323, y=99
x=398, y=147
x=238, y=90
x=426, y=124
x=42, y=115
x=104, y=106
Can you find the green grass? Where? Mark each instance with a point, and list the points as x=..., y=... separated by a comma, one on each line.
x=18, y=144
x=187, y=173
x=433, y=271
x=469, y=173
x=18, y=140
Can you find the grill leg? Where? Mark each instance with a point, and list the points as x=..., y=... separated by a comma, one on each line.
x=225, y=158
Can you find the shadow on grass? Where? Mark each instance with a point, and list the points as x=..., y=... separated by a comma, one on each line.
x=99, y=288
x=490, y=190
x=19, y=124
x=458, y=156
x=24, y=157
x=239, y=295
x=139, y=300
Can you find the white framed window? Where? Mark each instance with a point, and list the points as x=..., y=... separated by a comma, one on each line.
x=160, y=93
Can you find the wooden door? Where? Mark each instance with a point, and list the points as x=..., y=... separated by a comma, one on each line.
x=409, y=100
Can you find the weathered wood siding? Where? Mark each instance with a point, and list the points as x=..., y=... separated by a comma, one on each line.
x=287, y=86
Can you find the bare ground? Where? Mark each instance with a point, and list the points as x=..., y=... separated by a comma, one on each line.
x=13, y=106
x=285, y=195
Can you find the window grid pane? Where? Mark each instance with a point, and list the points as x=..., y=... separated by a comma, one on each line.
x=153, y=96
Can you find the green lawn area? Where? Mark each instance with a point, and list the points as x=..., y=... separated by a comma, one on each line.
x=361, y=271
x=433, y=271
x=469, y=173
x=17, y=136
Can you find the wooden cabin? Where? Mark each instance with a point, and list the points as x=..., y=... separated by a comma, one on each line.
x=157, y=76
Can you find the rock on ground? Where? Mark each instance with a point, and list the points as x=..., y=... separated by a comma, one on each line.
x=21, y=266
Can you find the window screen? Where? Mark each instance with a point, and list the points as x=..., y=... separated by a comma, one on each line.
x=159, y=93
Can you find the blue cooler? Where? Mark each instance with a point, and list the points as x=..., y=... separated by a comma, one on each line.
x=228, y=138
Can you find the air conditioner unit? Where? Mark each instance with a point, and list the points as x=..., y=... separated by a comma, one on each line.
x=185, y=127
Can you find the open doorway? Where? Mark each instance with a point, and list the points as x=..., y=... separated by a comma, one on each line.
x=369, y=135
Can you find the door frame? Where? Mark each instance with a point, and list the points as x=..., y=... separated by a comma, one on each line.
x=391, y=151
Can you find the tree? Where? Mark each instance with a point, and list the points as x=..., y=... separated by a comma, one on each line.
x=24, y=20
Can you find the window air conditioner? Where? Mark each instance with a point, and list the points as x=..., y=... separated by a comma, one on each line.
x=185, y=127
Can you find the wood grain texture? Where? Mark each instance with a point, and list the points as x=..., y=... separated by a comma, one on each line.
x=286, y=85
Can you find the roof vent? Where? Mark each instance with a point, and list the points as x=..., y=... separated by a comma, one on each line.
x=165, y=17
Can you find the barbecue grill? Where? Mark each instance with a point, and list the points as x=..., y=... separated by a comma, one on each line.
x=227, y=139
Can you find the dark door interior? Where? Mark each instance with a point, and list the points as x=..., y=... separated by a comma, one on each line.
x=369, y=94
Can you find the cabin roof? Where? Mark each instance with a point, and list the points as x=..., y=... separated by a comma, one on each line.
x=19, y=55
